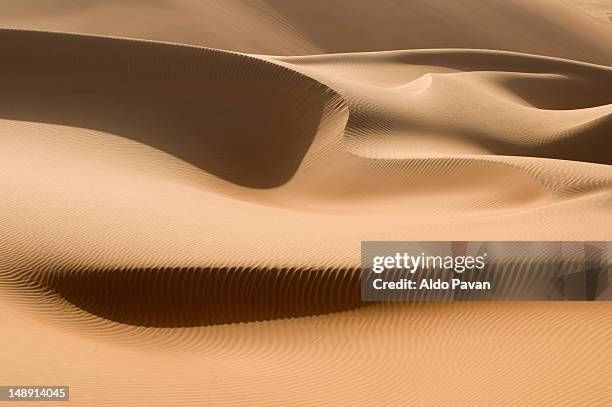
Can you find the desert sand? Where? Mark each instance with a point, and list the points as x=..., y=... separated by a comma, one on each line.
x=185, y=185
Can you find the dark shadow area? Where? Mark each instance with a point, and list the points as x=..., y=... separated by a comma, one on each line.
x=489, y=60
x=589, y=142
x=242, y=119
x=180, y=297
x=562, y=92
x=573, y=86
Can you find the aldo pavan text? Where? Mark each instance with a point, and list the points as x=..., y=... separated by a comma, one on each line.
x=406, y=263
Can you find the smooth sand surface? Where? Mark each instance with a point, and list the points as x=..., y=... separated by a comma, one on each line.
x=181, y=224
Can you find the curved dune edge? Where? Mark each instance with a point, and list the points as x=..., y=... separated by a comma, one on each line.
x=178, y=99
x=320, y=135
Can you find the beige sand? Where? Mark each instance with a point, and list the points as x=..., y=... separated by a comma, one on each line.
x=181, y=225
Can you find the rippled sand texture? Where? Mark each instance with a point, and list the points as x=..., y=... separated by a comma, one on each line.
x=181, y=224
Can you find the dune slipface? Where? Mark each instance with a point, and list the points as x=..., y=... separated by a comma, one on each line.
x=181, y=225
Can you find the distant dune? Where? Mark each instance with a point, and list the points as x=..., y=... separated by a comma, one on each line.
x=559, y=28
x=181, y=220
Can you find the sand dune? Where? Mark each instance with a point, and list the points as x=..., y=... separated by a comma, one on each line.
x=564, y=28
x=458, y=354
x=189, y=219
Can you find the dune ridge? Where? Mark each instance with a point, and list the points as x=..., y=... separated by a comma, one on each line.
x=313, y=116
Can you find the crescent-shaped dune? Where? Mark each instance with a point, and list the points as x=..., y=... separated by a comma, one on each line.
x=181, y=225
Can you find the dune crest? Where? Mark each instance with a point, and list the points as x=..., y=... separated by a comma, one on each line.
x=440, y=97
x=319, y=141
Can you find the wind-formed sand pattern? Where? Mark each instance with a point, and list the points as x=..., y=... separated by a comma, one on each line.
x=184, y=186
